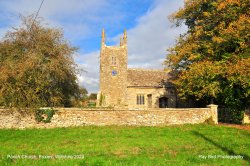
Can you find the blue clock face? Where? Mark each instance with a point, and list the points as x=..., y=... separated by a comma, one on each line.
x=114, y=72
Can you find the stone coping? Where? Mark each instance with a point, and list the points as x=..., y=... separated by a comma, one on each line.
x=137, y=110
x=114, y=109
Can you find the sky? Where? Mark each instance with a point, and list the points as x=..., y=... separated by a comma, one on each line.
x=149, y=31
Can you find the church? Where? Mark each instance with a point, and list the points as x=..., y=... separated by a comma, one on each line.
x=123, y=87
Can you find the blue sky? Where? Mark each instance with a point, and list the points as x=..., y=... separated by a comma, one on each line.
x=149, y=31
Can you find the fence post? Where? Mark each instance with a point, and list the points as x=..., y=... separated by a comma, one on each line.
x=214, y=112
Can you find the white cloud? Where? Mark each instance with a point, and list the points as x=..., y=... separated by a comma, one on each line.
x=90, y=63
x=149, y=40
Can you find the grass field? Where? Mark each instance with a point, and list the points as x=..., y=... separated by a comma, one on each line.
x=114, y=145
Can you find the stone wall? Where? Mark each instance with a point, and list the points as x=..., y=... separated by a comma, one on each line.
x=246, y=118
x=156, y=93
x=78, y=117
x=113, y=74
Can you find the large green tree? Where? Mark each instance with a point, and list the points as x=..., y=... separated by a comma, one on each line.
x=36, y=66
x=212, y=60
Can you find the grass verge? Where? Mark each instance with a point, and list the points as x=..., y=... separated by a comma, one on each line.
x=121, y=145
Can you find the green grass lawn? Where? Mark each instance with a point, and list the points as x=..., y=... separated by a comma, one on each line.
x=114, y=145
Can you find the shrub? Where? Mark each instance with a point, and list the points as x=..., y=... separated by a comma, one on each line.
x=230, y=115
x=40, y=113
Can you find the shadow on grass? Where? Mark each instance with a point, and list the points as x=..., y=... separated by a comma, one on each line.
x=225, y=149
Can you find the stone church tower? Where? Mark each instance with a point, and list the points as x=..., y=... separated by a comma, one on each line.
x=113, y=73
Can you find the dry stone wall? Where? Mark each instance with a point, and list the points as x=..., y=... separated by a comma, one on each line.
x=78, y=117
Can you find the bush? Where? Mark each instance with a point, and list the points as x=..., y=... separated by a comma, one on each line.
x=92, y=104
x=42, y=113
x=230, y=115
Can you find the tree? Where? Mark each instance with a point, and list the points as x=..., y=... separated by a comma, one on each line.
x=93, y=96
x=83, y=97
x=83, y=94
x=212, y=60
x=37, y=67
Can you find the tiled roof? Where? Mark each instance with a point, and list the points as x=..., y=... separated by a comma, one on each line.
x=147, y=78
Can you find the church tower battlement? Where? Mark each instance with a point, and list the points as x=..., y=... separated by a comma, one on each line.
x=113, y=73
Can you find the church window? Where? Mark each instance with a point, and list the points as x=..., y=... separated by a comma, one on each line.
x=140, y=99
x=113, y=60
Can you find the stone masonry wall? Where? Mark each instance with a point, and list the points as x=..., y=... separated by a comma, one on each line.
x=113, y=87
x=113, y=74
x=156, y=94
x=77, y=117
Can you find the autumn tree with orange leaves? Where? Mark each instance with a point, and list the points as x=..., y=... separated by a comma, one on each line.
x=36, y=67
x=212, y=60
